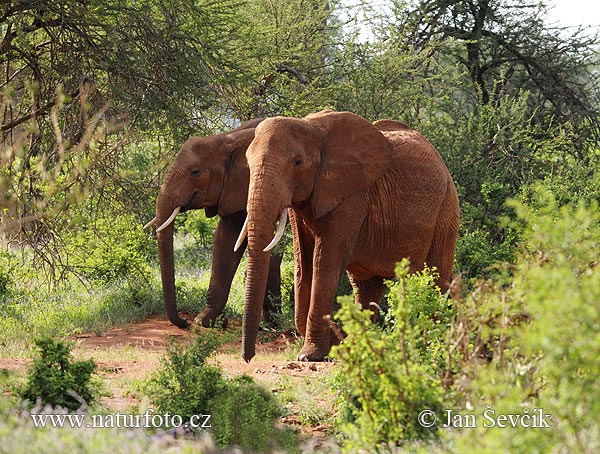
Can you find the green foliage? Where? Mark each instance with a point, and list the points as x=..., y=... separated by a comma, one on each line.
x=285, y=54
x=199, y=227
x=548, y=357
x=57, y=380
x=388, y=375
x=31, y=309
x=242, y=413
x=246, y=414
x=94, y=253
x=7, y=267
x=559, y=279
x=523, y=343
x=495, y=152
x=186, y=384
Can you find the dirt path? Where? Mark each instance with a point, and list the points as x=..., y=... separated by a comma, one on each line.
x=134, y=351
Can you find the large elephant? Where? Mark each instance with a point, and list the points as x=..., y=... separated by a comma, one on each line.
x=211, y=173
x=360, y=197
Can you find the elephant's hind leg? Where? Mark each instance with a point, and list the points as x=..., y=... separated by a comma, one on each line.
x=368, y=291
x=443, y=245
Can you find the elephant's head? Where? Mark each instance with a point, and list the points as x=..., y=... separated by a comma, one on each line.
x=208, y=172
x=310, y=164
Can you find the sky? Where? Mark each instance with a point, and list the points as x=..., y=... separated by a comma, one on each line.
x=575, y=12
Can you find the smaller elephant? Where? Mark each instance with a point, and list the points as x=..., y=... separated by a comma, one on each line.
x=211, y=173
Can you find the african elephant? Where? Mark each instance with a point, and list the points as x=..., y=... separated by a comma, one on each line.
x=360, y=197
x=211, y=173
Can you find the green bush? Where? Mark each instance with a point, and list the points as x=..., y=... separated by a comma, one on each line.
x=185, y=384
x=388, y=375
x=109, y=248
x=245, y=414
x=199, y=227
x=549, y=357
x=7, y=267
x=242, y=413
x=56, y=380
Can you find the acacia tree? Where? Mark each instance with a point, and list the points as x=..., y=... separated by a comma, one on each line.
x=507, y=46
x=283, y=59
x=81, y=81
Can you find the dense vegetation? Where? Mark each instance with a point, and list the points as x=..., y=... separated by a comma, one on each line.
x=97, y=96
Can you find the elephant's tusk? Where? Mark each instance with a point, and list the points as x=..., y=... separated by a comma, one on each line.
x=280, y=229
x=168, y=221
x=242, y=236
x=152, y=222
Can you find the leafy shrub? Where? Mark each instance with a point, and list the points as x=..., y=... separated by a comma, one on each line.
x=245, y=414
x=110, y=248
x=56, y=380
x=185, y=384
x=494, y=152
x=242, y=413
x=548, y=357
x=7, y=266
x=191, y=293
x=388, y=375
x=199, y=227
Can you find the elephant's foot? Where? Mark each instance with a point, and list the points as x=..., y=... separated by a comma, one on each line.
x=209, y=319
x=314, y=352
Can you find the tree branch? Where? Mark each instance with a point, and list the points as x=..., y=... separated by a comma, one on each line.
x=41, y=111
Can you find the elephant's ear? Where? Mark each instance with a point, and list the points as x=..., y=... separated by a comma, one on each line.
x=354, y=156
x=235, y=187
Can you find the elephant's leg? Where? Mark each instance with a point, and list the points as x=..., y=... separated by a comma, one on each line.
x=328, y=265
x=272, y=302
x=368, y=291
x=443, y=244
x=224, y=265
x=303, y=258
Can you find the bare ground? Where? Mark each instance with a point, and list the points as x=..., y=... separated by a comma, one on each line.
x=134, y=351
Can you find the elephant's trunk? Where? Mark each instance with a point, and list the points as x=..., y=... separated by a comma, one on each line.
x=165, y=254
x=257, y=273
x=262, y=214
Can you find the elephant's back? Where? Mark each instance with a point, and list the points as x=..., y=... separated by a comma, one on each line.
x=415, y=158
x=386, y=125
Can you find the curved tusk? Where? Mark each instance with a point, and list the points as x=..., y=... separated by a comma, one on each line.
x=242, y=236
x=168, y=221
x=152, y=222
x=280, y=229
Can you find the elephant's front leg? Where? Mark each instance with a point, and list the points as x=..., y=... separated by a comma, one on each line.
x=303, y=258
x=224, y=265
x=329, y=262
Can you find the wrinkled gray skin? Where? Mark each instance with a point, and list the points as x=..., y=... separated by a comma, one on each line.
x=211, y=173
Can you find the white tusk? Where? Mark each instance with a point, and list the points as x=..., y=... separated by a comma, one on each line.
x=242, y=236
x=168, y=221
x=280, y=229
x=152, y=222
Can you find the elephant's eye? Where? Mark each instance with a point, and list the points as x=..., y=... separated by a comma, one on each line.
x=298, y=162
x=195, y=172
